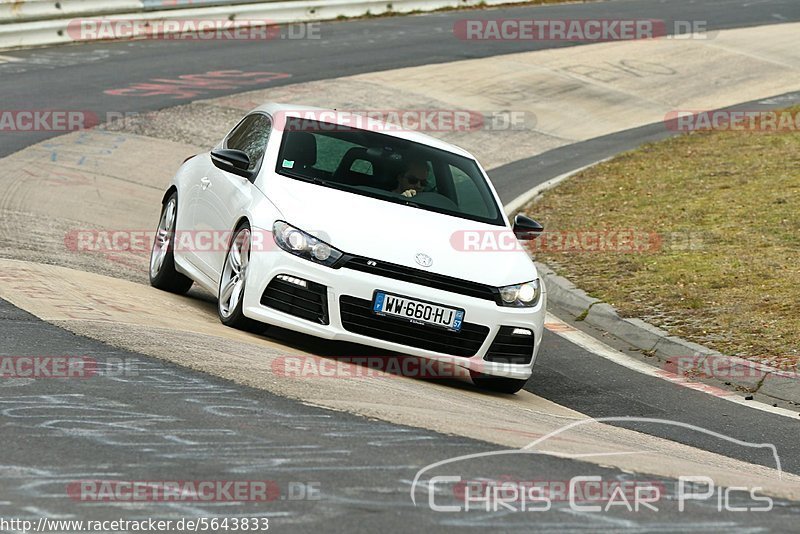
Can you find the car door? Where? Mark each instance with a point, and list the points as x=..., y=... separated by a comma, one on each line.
x=223, y=195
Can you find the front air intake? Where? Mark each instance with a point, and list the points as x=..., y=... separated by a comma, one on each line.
x=511, y=345
x=298, y=297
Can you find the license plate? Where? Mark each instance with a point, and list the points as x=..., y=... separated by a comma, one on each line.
x=417, y=311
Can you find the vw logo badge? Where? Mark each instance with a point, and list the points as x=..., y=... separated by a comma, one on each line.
x=424, y=260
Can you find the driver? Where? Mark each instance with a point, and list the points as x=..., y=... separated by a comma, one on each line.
x=413, y=178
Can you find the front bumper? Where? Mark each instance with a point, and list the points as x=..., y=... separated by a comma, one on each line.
x=265, y=266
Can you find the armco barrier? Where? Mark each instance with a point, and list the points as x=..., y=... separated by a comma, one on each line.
x=25, y=23
x=30, y=10
x=12, y=11
x=159, y=5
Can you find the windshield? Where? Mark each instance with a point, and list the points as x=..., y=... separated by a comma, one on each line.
x=380, y=166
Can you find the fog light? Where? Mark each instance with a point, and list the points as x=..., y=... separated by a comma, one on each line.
x=292, y=280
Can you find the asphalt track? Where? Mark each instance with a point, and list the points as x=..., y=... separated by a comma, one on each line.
x=141, y=419
x=76, y=77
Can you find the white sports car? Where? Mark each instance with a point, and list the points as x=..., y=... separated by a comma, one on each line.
x=372, y=235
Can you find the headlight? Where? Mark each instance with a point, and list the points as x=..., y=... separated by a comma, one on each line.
x=299, y=243
x=521, y=295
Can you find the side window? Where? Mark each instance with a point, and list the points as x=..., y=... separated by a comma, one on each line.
x=470, y=199
x=330, y=152
x=251, y=137
x=362, y=166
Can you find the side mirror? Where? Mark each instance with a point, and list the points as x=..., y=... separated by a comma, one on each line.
x=526, y=229
x=232, y=161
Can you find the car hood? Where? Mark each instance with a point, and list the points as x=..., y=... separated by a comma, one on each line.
x=395, y=233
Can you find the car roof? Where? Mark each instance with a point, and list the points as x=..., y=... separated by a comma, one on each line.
x=341, y=117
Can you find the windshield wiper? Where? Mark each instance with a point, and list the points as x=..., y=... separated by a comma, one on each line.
x=304, y=178
x=410, y=203
x=313, y=180
x=405, y=201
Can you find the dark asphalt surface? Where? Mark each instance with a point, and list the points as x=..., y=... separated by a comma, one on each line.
x=75, y=77
x=140, y=419
x=180, y=424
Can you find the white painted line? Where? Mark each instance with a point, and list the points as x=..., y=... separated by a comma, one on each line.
x=595, y=346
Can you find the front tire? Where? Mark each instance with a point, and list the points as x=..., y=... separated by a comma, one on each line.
x=230, y=302
x=497, y=384
x=162, y=257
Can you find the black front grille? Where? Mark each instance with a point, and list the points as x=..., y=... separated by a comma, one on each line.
x=510, y=348
x=357, y=317
x=423, y=278
x=310, y=303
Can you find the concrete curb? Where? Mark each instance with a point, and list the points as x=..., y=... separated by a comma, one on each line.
x=675, y=354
